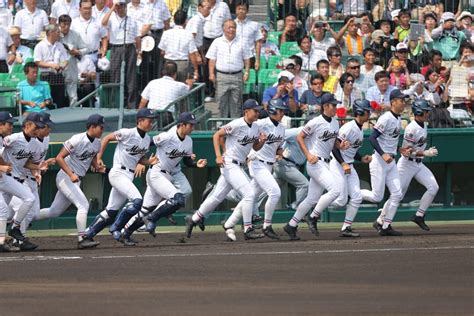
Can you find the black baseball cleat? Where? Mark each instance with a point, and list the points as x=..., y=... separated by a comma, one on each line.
x=4, y=248
x=420, y=221
x=189, y=225
x=207, y=190
x=389, y=231
x=27, y=245
x=128, y=241
x=270, y=233
x=291, y=231
x=348, y=233
x=15, y=233
x=312, y=224
x=201, y=224
x=252, y=234
x=377, y=226
x=87, y=243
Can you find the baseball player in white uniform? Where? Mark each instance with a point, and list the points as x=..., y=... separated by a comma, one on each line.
x=241, y=135
x=383, y=170
x=17, y=150
x=75, y=158
x=342, y=167
x=133, y=144
x=171, y=147
x=415, y=137
x=261, y=164
x=317, y=141
x=6, y=128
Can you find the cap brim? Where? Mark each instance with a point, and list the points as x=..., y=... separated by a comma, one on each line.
x=40, y=124
x=11, y=120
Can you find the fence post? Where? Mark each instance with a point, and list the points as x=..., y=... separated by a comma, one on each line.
x=122, y=94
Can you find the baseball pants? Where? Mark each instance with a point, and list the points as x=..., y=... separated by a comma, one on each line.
x=287, y=171
x=15, y=204
x=10, y=188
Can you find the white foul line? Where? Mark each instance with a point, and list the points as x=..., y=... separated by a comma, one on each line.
x=225, y=254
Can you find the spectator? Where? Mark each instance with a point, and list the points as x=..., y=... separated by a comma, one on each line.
x=35, y=95
x=300, y=80
x=248, y=32
x=309, y=56
x=64, y=7
x=320, y=41
x=402, y=55
x=196, y=26
x=399, y=76
x=436, y=60
x=212, y=30
x=268, y=48
x=227, y=57
x=31, y=21
x=285, y=91
x=178, y=45
x=447, y=39
x=465, y=24
x=346, y=92
x=87, y=78
x=6, y=16
x=20, y=52
x=99, y=10
x=93, y=34
x=430, y=19
x=160, y=93
x=291, y=31
x=369, y=68
x=381, y=47
x=462, y=74
x=403, y=28
x=330, y=81
x=334, y=55
x=7, y=50
x=76, y=48
x=125, y=45
x=311, y=99
x=361, y=82
x=52, y=58
x=436, y=85
x=381, y=92
x=352, y=43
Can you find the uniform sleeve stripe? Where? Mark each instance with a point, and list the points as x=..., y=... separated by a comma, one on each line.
x=377, y=128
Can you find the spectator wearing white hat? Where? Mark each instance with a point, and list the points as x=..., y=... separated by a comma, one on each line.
x=401, y=54
x=284, y=90
x=465, y=24
x=447, y=39
x=22, y=53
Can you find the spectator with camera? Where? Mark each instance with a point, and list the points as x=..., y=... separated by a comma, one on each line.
x=447, y=39
x=352, y=43
x=318, y=32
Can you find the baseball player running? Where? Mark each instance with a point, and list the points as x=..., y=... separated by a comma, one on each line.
x=415, y=137
x=75, y=158
x=133, y=144
x=6, y=128
x=320, y=133
x=241, y=135
x=171, y=147
x=261, y=168
x=18, y=150
x=342, y=166
x=383, y=170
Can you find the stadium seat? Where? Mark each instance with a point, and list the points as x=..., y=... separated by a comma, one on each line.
x=289, y=48
x=274, y=37
x=273, y=61
x=267, y=78
x=17, y=68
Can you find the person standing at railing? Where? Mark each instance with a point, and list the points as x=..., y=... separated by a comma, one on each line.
x=31, y=21
x=64, y=7
x=248, y=32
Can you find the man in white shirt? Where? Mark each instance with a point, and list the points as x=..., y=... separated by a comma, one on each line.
x=369, y=68
x=309, y=56
x=87, y=76
x=213, y=29
x=227, y=57
x=99, y=10
x=91, y=31
x=52, y=58
x=6, y=56
x=248, y=32
x=61, y=7
x=159, y=93
x=381, y=92
x=125, y=44
x=6, y=17
x=31, y=21
x=178, y=45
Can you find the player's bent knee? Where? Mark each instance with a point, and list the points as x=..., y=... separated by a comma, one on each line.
x=433, y=188
x=178, y=200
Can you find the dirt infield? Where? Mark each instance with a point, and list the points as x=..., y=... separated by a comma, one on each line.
x=429, y=273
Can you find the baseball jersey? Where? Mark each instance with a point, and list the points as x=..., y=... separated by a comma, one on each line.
x=170, y=149
x=240, y=137
x=352, y=133
x=321, y=136
x=275, y=139
x=39, y=150
x=81, y=152
x=415, y=136
x=291, y=148
x=131, y=147
x=17, y=150
x=389, y=127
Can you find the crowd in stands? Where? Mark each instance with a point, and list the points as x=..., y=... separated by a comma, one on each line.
x=67, y=48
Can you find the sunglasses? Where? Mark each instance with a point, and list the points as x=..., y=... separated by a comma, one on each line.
x=317, y=83
x=349, y=81
x=354, y=67
x=403, y=51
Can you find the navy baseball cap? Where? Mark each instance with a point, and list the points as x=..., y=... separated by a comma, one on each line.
x=329, y=98
x=146, y=112
x=36, y=118
x=251, y=104
x=7, y=117
x=95, y=119
x=187, y=117
x=397, y=94
x=47, y=119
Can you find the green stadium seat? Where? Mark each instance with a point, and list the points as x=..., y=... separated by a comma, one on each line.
x=17, y=68
x=336, y=25
x=273, y=61
x=289, y=48
x=274, y=37
x=267, y=78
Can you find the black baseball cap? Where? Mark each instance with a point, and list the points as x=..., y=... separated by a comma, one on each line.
x=7, y=117
x=146, y=112
x=36, y=118
x=251, y=104
x=187, y=117
x=95, y=119
x=47, y=119
x=397, y=94
x=329, y=98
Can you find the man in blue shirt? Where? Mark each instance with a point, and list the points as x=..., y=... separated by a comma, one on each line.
x=35, y=95
x=285, y=91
